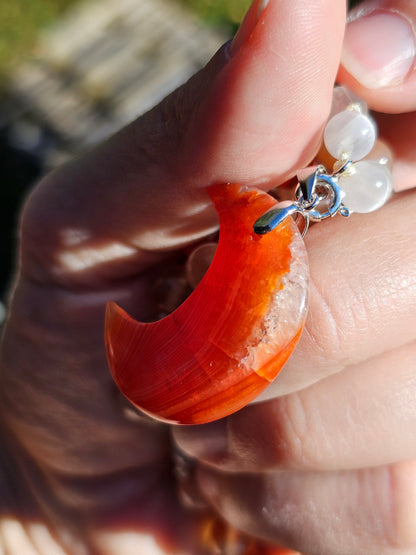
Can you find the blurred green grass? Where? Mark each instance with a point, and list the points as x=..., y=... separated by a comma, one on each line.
x=225, y=13
x=21, y=20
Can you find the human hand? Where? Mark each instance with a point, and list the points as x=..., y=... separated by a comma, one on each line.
x=104, y=226
x=326, y=464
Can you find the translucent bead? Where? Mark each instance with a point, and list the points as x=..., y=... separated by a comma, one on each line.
x=367, y=186
x=350, y=135
x=198, y=262
x=382, y=154
x=343, y=99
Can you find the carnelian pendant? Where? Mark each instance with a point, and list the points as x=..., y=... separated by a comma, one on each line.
x=225, y=344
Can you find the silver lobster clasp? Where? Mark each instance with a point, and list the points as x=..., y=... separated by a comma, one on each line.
x=318, y=197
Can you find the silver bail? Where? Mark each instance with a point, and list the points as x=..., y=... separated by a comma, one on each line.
x=318, y=197
x=274, y=217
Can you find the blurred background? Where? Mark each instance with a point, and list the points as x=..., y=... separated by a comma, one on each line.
x=74, y=71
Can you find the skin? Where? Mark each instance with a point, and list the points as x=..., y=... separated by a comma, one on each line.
x=325, y=464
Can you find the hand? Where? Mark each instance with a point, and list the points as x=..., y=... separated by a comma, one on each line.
x=104, y=226
x=326, y=463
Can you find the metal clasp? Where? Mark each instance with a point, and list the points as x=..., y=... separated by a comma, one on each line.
x=318, y=197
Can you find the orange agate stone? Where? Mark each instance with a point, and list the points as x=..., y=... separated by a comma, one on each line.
x=225, y=344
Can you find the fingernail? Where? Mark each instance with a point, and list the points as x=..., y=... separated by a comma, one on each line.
x=379, y=48
x=247, y=25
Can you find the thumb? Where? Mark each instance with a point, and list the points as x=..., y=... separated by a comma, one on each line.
x=254, y=115
x=378, y=59
x=378, y=64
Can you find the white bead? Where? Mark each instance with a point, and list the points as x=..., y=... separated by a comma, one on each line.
x=367, y=186
x=382, y=154
x=343, y=99
x=350, y=134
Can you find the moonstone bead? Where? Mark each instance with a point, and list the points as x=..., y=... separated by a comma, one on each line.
x=350, y=135
x=367, y=186
x=382, y=154
x=342, y=99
